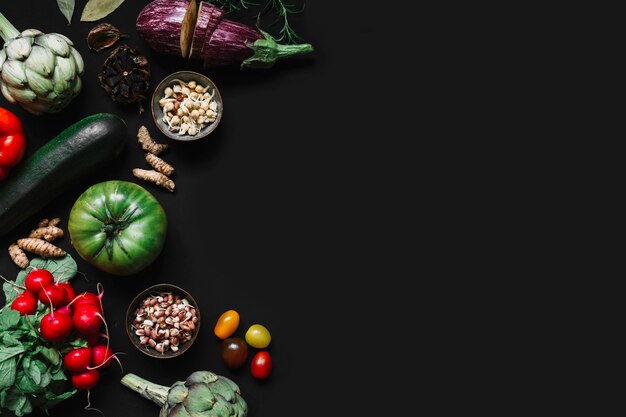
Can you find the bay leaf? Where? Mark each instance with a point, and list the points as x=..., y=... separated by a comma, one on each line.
x=97, y=9
x=67, y=8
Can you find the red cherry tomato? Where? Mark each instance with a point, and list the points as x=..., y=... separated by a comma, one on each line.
x=261, y=365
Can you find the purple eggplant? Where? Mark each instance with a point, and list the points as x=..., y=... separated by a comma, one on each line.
x=166, y=27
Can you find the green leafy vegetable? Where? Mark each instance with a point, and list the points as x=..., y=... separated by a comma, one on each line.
x=31, y=369
x=97, y=9
x=67, y=8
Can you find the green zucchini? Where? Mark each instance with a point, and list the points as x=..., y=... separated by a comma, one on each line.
x=77, y=151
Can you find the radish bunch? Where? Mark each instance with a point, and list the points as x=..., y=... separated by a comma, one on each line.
x=71, y=317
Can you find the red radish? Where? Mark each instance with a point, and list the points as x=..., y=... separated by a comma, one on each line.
x=86, y=298
x=101, y=356
x=77, y=360
x=55, y=327
x=220, y=42
x=87, y=319
x=92, y=339
x=64, y=310
x=86, y=380
x=53, y=294
x=68, y=289
x=25, y=304
x=38, y=278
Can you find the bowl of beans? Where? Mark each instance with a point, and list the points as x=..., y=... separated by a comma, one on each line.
x=186, y=106
x=163, y=321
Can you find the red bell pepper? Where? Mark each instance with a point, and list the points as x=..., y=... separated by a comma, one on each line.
x=12, y=142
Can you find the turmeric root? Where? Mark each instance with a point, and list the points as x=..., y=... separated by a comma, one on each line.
x=159, y=164
x=155, y=178
x=40, y=247
x=54, y=222
x=49, y=233
x=18, y=256
x=147, y=143
x=43, y=223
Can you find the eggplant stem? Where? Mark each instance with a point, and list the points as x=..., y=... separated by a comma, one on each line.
x=149, y=390
x=7, y=30
x=267, y=51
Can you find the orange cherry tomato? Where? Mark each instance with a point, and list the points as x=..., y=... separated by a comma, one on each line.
x=227, y=324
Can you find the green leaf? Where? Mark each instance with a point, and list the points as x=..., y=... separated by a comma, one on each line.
x=34, y=372
x=78, y=343
x=26, y=385
x=8, y=371
x=9, y=340
x=14, y=400
x=27, y=408
x=59, y=375
x=51, y=355
x=63, y=269
x=9, y=352
x=67, y=8
x=10, y=293
x=54, y=399
x=9, y=318
x=97, y=9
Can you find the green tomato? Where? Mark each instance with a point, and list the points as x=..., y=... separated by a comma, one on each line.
x=117, y=226
x=258, y=336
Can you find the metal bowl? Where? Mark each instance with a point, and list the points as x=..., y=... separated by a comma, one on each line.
x=159, y=93
x=130, y=316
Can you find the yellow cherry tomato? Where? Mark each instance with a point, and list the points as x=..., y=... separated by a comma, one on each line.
x=226, y=324
x=258, y=336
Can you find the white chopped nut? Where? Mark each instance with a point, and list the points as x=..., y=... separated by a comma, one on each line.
x=191, y=84
x=185, y=91
x=175, y=120
x=177, y=88
x=184, y=128
x=193, y=131
x=213, y=105
x=180, y=112
x=195, y=114
x=169, y=106
x=199, y=89
x=168, y=92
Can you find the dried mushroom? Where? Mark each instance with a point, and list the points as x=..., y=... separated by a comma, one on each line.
x=103, y=36
x=125, y=75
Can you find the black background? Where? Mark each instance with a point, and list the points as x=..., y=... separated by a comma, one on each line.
x=276, y=214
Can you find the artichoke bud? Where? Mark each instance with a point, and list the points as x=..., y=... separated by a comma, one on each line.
x=200, y=398
x=22, y=95
x=31, y=33
x=78, y=60
x=41, y=60
x=200, y=377
x=6, y=93
x=59, y=80
x=66, y=68
x=38, y=83
x=54, y=43
x=13, y=73
x=177, y=394
x=19, y=49
x=77, y=85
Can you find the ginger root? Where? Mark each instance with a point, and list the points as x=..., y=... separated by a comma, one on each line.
x=159, y=165
x=147, y=143
x=49, y=233
x=155, y=178
x=18, y=256
x=40, y=247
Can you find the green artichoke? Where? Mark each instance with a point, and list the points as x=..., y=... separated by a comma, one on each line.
x=203, y=394
x=39, y=71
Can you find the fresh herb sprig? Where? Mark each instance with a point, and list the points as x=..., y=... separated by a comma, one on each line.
x=280, y=8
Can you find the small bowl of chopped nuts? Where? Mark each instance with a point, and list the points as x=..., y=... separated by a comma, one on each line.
x=163, y=321
x=186, y=106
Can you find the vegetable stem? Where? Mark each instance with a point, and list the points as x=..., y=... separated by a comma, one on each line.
x=151, y=391
x=7, y=30
x=267, y=51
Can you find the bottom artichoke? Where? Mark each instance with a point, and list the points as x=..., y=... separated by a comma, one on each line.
x=203, y=394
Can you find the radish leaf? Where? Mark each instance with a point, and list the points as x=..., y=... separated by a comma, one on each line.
x=97, y=9
x=63, y=269
x=67, y=8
